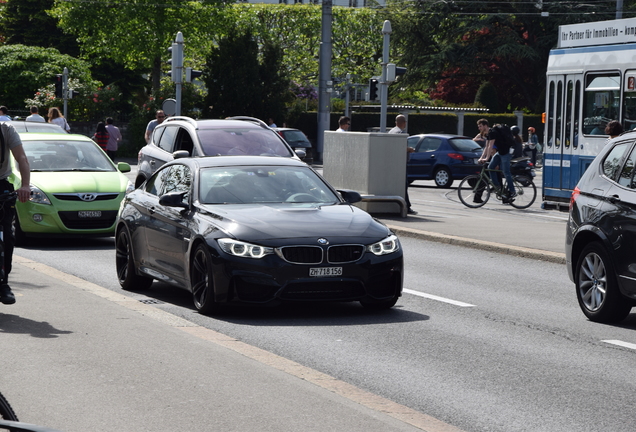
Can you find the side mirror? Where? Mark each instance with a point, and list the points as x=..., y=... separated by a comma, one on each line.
x=350, y=196
x=174, y=199
x=123, y=167
x=301, y=153
x=181, y=154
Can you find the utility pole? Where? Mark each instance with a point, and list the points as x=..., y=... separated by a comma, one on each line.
x=619, y=9
x=347, y=89
x=65, y=89
x=384, y=82
x=324, y=76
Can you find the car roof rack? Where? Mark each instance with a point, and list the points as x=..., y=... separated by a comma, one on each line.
x=190, y=120
x=259, y=122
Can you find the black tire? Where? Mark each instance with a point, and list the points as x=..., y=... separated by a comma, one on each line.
x=469, y=194
x=443, y=177
x=202, y=282
x=128, y=278
x=597, y=288
x=526, y=192
x=6, y=412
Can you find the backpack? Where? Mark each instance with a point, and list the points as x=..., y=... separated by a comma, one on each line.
x=504, y=140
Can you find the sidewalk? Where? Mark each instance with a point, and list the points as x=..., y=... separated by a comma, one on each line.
x=78, y=357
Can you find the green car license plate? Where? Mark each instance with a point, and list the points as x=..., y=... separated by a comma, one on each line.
x=89, y=213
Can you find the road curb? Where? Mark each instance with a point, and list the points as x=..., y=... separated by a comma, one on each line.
x=537, y=254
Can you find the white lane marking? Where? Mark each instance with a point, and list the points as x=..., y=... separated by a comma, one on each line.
x=621, y=343
x=434, y=297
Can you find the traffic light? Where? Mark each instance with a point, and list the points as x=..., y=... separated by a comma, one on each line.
x=192, y=74
x=59, y=86
x=373, y=89
x=176, y=62
x=72, y=93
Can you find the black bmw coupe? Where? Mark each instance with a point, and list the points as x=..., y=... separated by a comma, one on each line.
x=254, y=229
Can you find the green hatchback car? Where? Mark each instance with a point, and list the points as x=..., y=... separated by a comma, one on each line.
x=76, y=189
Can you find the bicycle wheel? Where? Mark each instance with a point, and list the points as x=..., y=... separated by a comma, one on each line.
x=473, y=191
x=526, y=192
x=6, y=412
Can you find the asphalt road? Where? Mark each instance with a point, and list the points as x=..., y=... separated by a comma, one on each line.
x=480, y=340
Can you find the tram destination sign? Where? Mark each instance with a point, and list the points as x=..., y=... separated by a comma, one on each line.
x=597, y=33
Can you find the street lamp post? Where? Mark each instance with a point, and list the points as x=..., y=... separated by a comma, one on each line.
x=384, y=83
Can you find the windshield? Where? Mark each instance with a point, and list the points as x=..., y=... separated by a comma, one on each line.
x=64, y=155
x=464, y=144
x=263, y=184
x=242, y=141
x=294, y=136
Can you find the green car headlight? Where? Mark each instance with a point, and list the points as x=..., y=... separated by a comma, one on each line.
x=38, y=197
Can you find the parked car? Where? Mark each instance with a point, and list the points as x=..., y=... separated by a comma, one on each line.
x=297, y=140
x=178, y=137
x=256, y=230
x=76, y=189
x=442, y=157
x=601, y=233
x=36, y=127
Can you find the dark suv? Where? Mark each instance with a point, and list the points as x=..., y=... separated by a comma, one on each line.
x=601, y=233
x=178, y=137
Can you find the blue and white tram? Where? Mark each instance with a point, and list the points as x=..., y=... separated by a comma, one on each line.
x=591, y=80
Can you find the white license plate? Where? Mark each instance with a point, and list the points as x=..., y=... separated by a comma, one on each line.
x=89, y=213
x=325, y=271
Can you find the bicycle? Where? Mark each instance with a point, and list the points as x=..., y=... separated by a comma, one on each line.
x=474, y=191
x=9, y=421
x=6, y=412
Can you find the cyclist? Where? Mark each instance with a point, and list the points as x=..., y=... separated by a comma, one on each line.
x=501, y=159
x=10, y=143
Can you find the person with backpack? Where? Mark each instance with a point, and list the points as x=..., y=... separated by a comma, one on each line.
x=500, y=141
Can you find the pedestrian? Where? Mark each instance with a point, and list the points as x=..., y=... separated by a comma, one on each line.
x=480, y=138
x=56, y=117
x=160, y=116
x=270, y=123
x=4, y=113
x=400, y=128
x=532, y=144
x=343, y=122
x=101, y=136
x=35, y=116
x=11, y=144
x=114, y=138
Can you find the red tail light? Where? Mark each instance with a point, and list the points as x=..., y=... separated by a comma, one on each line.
x=456, y=156
x=575, y=194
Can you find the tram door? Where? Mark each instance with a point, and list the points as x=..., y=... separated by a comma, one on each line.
x=561, y=134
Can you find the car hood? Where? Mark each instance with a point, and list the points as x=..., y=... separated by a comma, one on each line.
x=298, y=221
x=79, y=181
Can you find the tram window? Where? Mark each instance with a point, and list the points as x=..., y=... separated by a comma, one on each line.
x=577, y=110
x=612, y=162
x=629, y=102
x=568, y=113
x=601, y=102
x=559, y=115
x=550, y=135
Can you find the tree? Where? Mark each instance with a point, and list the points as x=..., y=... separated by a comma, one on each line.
x=24, y=69
x=238, y=84
x=487, y=97
x=26, y=22
x=135, y=34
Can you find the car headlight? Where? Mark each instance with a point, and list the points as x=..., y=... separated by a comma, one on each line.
x=388, y=245
x=38, y=197
x=242, y=249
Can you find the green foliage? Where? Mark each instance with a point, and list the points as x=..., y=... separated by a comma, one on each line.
x=239, y=84
x=24, y=68
x=26, y=22
x=487, y=97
